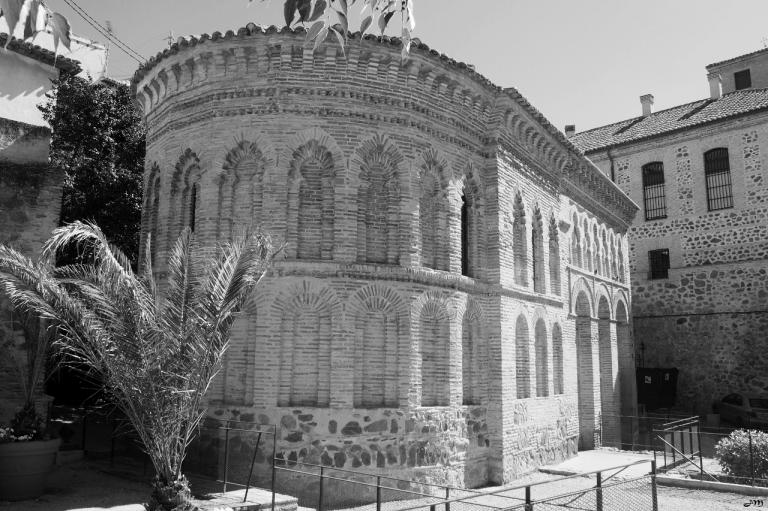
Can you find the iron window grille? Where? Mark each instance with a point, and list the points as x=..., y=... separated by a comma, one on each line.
x=653, y=191
x=742, y=79
x=718, y=175
x=659, y=264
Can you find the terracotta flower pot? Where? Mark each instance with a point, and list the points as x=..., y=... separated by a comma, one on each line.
x=24, y=466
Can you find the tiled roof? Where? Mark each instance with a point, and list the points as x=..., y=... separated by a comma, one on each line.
x=736, y=59
x=673, y=119
x=40, y=54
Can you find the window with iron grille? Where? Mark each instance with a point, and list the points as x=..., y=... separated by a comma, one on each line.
x=659, y=264
x=653, y=191
x=743, y=79
x=718, y=175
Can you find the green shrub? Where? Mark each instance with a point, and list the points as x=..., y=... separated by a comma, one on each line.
x=733, y=454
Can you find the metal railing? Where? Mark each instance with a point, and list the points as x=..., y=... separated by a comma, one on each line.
x=334, y=489
x=685, y=447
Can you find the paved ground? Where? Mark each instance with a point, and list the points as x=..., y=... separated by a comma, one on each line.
x=84, y=486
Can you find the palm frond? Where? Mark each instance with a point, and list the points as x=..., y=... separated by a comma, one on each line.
x=157, y=353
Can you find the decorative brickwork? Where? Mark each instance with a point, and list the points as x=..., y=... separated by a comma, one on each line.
x=422, y=225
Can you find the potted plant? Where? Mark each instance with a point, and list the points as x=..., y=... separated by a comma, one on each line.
x=27, y=453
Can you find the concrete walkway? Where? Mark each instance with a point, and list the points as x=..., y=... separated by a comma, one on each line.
x=603, y=460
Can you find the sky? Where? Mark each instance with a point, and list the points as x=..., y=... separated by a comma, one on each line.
x=582, y=62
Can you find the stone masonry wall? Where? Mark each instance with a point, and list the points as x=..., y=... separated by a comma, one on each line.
x=30, y=200
x=419, y=323
x=708, y=318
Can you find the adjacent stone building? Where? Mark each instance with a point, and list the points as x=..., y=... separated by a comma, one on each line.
x=699, y=246
x=450, y=257
x=30, y=190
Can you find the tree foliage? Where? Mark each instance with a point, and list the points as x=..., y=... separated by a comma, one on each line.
x=98, y=142
x=35, y=16
x=332, y=16
x=156, y=352
x=744, y=454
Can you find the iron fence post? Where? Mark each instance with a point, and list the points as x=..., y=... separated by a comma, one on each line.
x=274, y=470
x=673, y=450
x=320, y=493
x=751, y=457
x=654, y=496
x=599, y=492
x=447, y=497
x=226, y=457
x=701, y=457
x=253, y=460
x=378, y=493
x=528, y=502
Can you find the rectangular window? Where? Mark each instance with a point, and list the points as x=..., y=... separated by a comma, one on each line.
x=653, y=191
x=743, y=79
x=659, y=264
x=717, y=170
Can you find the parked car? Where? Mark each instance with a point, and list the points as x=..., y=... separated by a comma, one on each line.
x=743, y=409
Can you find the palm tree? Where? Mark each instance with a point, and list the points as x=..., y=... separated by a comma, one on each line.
x=155, y=352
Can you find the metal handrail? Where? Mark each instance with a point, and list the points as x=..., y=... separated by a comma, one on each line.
x=530, y=485
x=440, y=500
x=700, y=467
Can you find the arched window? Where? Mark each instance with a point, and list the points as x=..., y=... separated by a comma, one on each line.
x=596, y=253
x=542, y=362
x=474, y=361
x=378, y=202
x=576, y=246
x=464, y=236
x=620, y=257
x=377, y=318
x=311, y=213
x=653, y=191
x=434, y=334
x=717, y=170
x=305, y=364
x=432, y=254
x=520, y=248
x=240, y=188
x=472, y=231
x=557, y=360
x=523, y=362
x=309, y=232
x=537, y=252
x=554, y=258
x=184, y=196
x=149, y=216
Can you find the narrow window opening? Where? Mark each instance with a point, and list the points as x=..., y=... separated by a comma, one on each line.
x=653, y=191
x=659, y=264
x=193, y=208
x=464, y=236
x=742, y=79
x=717, y=171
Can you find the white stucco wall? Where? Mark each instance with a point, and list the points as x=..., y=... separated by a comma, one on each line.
x=23, y=84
